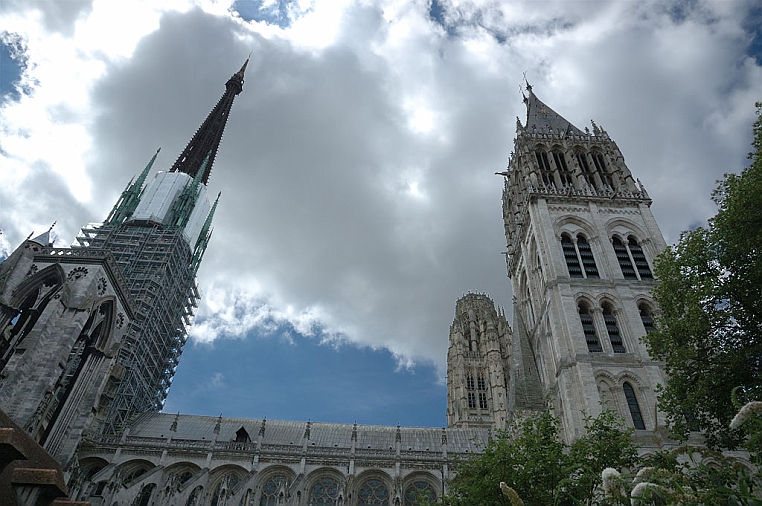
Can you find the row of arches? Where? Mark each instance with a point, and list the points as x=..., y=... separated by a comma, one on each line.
x=580, y=261
x=557, y=167
x=602, y=320
x=139, y=483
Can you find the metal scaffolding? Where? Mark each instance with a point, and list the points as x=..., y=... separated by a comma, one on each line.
x=156, y=264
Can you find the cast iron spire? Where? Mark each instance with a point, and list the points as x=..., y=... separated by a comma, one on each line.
x=207, y=138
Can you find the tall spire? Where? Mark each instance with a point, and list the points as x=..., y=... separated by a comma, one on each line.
x=542, y=117
x=207, y=139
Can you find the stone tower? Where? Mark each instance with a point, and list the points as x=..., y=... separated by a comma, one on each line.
x=478, y=369
x=581, y=241
x=91, y=335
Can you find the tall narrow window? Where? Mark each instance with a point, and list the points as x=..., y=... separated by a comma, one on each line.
x=644, y=271
x=593, y=346
x=570, y=254
x=481, y=385
x=586, y=254
x=612, y=328
x=600, y=166
x=646, y=317
x=623, y=257
x=632, y=403
x=545, y=171
x=270, y=490
x=563, y=170
x=585, y=167
x=471, y=391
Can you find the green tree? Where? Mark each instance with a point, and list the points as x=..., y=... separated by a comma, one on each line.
x=709, y=333
x=544, y=471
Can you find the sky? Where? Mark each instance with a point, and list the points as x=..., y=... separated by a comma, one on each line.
x=359, y=195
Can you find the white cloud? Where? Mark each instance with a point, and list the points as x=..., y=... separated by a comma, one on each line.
x=359, y=199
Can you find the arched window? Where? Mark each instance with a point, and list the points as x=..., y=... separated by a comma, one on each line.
x=420, y=492
x=373, y=492
x=570, y=254
x=588, y=327
x=586, y=254
x=632, y=403
x=481, y=385
x=270, y=490
x=325, y=492
x=563, y=170
x=471, y=391
x=585, y=167
x=646, y=316
x=223, y=489
x=623, y=256
x=144, y=496
x=612, y=328
x=641, y=264
x=545, y=171
x=600, y=165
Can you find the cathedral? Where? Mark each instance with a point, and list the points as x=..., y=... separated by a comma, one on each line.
x=92, y=335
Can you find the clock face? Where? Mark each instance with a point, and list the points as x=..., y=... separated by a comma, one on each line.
x=542, y=111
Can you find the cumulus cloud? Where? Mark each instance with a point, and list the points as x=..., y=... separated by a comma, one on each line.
x=359, y=200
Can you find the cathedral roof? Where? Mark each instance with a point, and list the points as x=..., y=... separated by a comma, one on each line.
x=282, y=432
x=541, y=117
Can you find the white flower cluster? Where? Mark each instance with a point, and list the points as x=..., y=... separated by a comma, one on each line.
x=752, y=408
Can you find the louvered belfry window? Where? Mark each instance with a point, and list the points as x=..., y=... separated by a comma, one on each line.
x=588, y=327
x=641, y=264
x=570, y=254
x=623, y=256
x=586, y=254
x=612, y=328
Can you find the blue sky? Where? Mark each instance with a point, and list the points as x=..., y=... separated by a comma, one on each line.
x=357, y=169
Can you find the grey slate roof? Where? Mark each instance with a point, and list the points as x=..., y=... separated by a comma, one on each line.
x=542, y=117
x=281, y=432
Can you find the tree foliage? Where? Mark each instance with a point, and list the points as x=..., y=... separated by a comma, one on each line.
x=530, y=458
x=709, y=333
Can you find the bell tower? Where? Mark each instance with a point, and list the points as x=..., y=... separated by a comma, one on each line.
x=581, y=242
x=478, y=364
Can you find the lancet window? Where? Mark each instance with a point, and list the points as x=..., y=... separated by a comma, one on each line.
x=471, y=391
x=570, y=254
x=632, y=403
x=563, y=169
x=579, y=257
x=646, y=316
x=145, y=495
x=641, y=264
x=545, y=171
x=623, y=256
x=588, y=328
x=584, y=165
x=481, y=385
x=600, y=165
x=612, y=329
x=373, y=492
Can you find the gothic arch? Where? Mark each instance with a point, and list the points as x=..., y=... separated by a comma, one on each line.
x=53, y=272
x=624, y=228
x=372, y=487
x=574, y=225
x=324, y=486
x=222, y=480
x=411, y=486
x=274, y=481
x=129, y=473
